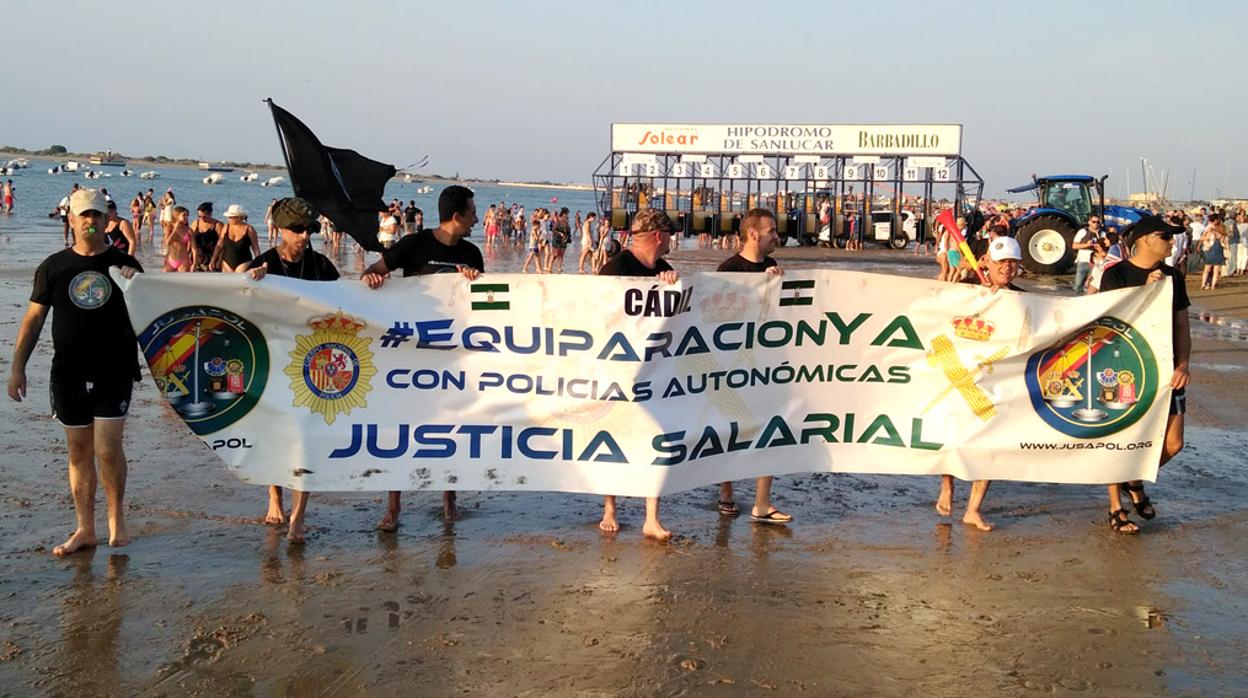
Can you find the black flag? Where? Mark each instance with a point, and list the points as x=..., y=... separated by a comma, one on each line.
x=344, y=186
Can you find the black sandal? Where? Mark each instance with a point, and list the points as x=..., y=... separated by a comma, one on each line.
x=1144, y=507
x=1119, y=521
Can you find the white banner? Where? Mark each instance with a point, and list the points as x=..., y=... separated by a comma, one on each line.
x=788, y=139
x=632, y=387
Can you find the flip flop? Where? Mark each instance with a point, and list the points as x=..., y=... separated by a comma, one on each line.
x=775, y=516
x=728, y=508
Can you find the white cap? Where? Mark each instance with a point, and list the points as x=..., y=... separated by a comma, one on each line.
x=87, y=200
x=1005, y=248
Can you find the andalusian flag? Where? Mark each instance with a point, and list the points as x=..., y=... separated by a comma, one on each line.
x=490, y=297
x=799, y=292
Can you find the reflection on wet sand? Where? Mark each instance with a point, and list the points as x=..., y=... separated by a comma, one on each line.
x=91, y=619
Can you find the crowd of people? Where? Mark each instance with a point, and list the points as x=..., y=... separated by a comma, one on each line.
x=94, y=361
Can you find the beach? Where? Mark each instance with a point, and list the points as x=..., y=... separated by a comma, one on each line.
x=867, y=592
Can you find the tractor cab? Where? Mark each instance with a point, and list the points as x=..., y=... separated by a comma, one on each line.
x=1069, y=193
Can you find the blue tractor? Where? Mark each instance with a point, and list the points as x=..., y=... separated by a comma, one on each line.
x=1047, y=232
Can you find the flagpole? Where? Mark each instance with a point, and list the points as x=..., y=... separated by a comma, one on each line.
x=282, y=142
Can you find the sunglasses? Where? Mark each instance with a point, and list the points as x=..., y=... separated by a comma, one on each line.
x=1165, y=236
x=300, y=230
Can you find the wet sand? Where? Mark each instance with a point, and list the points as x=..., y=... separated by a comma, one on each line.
x=867, y=592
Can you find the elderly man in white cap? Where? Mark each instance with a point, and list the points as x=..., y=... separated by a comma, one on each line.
x=94, y=364
x=1000, y=265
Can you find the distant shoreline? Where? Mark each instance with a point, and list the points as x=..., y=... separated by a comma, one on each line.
x=535, y=185
x=188, y=164
x=84, y=161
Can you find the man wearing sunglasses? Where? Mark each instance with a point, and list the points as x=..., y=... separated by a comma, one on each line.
x=295, y=222
x=1151, y=241
x=1085, y=241
x=94, y=363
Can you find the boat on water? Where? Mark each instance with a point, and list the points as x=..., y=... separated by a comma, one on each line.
x=272, y=181
x=214, y=178
x=210, y=167
x=424, y=190
x=150, y=174
x=70, y=166
x=108, y=158
x=249, y=177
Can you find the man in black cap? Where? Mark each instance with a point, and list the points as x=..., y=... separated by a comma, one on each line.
x=1150, y=241
x=295, y=221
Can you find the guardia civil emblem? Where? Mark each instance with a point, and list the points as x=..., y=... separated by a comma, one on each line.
x=1096, y=382
x=330, y=369
x=209, y=363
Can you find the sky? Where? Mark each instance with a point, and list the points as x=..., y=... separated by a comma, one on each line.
x=528, y=90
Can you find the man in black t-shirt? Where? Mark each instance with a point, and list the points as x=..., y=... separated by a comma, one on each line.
x=1153, y=240
x=94, y=363
x=409, y=217
x=440, y=249
x=651, y=240
x=758, y=241
x=296, y=222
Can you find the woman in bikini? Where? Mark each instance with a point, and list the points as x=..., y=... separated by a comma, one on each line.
x=238, y=244
x=177, y=242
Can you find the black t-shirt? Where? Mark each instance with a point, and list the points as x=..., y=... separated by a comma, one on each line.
x=739, y=263
x=409, y=214
x=91, y=334
x=313, y=266
x=421, y=253
x=625, y=264
x=1126, y=275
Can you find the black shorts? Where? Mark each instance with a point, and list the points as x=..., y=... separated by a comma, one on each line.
x=77, y=403
x=1178, y=401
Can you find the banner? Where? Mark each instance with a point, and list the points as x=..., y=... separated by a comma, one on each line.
x=632, y=387
x=826, y=140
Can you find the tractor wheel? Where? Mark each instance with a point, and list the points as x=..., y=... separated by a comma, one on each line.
x=840, y=242
x=899, y=241
x=1046, y=242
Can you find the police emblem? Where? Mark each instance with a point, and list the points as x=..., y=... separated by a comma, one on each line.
x=90, y=289
x=330, y=369
x=1096, y=382
x=209, y=363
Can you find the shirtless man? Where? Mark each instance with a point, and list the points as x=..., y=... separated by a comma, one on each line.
x=440, y=249
x=652, y=239
x=94, y=364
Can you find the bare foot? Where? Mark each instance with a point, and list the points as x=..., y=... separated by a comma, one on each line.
x=655, y=530
x=972, y=518
x=944, y=502
x=449, y=512
x=608, y=523
x=79, y=540
x=275, y=516
x=118, y=534
x=390, y=522
x=296, y=532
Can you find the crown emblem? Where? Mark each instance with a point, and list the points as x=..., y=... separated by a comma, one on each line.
x=337, y=322
x=973, y=327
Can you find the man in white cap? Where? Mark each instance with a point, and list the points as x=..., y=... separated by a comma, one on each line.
x=94, y=363
x=1000, y=265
